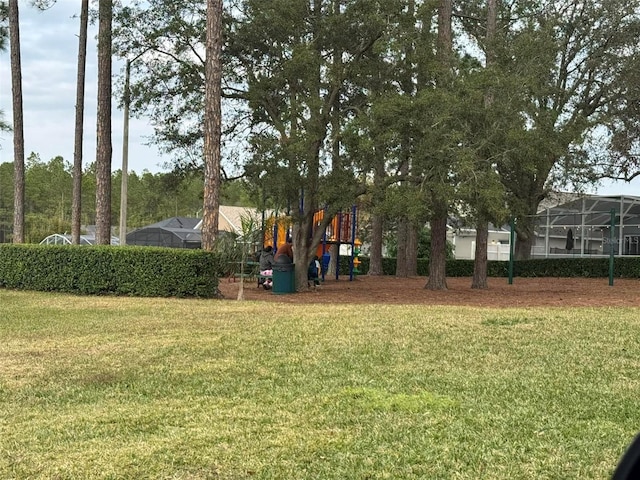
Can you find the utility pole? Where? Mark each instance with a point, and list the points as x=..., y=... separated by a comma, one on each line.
x=122, y=230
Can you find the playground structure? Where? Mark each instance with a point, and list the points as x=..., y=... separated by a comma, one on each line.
x=340, y=231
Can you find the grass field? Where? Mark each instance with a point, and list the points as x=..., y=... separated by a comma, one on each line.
x=129, y=388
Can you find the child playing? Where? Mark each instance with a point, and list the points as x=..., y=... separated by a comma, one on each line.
x=313, y=273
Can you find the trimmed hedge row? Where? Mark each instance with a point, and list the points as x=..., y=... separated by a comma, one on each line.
x=169, y=272
x=624, y=267
x=110, y=270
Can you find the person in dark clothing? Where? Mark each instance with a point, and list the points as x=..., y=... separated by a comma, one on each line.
x=266, y=258
x=313, y=272
x=266, y=266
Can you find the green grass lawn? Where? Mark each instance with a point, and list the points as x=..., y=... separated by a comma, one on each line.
x=130, y=388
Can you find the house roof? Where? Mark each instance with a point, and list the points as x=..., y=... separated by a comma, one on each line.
x=234, y=216
x=176, y=222
x=189, y=229
x=553, y=199
x=230, y=218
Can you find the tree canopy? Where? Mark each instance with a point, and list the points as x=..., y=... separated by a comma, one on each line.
x=331, y=99
x=152, y=197
x=418, y=109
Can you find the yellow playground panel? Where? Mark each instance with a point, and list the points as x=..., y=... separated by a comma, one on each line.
x=276, y=230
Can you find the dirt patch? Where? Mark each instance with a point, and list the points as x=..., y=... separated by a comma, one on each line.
x=524, y=292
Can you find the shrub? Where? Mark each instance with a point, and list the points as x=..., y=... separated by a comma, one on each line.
x=102, y=270
x=625, y=267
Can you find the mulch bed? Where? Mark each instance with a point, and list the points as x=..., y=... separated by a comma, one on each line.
x=524, y=292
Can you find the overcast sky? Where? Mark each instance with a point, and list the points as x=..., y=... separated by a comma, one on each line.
x=49, y=63
x=49, y=54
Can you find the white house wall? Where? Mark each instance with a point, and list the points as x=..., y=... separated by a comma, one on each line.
x=465, y=245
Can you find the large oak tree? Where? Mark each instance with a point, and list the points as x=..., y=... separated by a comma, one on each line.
x=567, y=66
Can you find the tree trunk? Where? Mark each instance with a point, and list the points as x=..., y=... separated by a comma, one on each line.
x=76, y=209
x=336, y=108
x=445, y=39
x=375, y=255
x=334, y=261
x=480, y=263
x=305, y=242
x=524, y=240
x=408, y=85
x=438, y=261
x=18, y=123
x=377, y=219
x=300, y=253
x=336, y=160
x=412, y=250
x=240, y=296
x=492, y=26
x=402, y=240
x=212, y=123
x=480, y=266
x=482, y=230
x=103, y=141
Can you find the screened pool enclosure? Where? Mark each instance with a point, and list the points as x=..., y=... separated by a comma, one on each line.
x=176, y=232
x=583, y=227
x=65, y=239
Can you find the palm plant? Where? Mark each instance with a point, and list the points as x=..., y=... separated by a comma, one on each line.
x=247, y=241
x=236, y=249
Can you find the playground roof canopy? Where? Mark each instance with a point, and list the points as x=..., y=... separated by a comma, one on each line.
x=594, y=210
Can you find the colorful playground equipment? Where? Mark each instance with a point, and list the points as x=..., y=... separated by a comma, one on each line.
x=356, y=253
x=276, y=230
x=341, y=230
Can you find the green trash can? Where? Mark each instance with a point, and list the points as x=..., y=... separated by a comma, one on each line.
x=284, y=276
